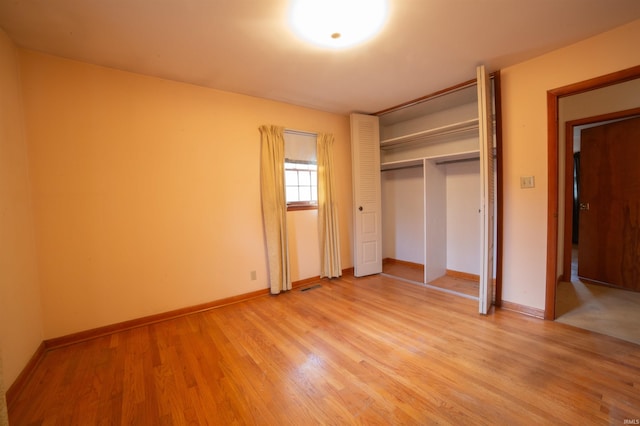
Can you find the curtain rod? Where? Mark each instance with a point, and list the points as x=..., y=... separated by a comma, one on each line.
x=300, y=132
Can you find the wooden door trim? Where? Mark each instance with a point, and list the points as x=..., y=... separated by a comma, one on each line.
x=553, y=97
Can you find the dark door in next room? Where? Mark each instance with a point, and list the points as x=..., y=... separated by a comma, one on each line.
x=609, y=243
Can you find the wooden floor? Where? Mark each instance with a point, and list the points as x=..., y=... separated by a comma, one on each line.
x=368, y=351
x=413, y=272
x=408, y=271
x=459, y=285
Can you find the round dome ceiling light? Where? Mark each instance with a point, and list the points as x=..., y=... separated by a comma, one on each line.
x=337, y=23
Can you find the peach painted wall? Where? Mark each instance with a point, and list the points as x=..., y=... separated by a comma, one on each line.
x=146, y=191
x=20, y=305
x=524, y=118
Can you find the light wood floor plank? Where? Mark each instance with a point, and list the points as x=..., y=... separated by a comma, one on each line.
x=371, y=350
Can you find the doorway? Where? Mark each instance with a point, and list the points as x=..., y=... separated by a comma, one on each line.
x=599, y=256
x=584, y=298
x=559, y=267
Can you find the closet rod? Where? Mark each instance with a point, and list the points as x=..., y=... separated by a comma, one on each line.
x=462, y=160
x=300, y=132
x=402, y=167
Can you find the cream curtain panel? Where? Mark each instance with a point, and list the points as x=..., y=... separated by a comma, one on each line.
x=329, y=238
x=274, y=206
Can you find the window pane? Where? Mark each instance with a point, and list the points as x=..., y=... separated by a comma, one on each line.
x=304, y=178
x=292, y=194
x=314, y=193
x=291, y=177
x=305, y=193
x=314, y=179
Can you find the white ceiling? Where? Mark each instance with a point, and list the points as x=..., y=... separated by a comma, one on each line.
x=246, y=46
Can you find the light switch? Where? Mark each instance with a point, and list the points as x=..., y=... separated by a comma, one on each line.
x=527, y=182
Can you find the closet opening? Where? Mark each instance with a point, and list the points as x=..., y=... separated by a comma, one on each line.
x=431, y=189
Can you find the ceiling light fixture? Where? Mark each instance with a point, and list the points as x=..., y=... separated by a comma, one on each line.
x=337, y=23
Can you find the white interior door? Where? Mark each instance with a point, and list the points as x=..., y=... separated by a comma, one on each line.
x=486, y=190
x=365, y=159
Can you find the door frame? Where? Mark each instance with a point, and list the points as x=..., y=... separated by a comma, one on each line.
x=553, y=98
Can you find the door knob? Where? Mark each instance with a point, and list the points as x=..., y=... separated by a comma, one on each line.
x=584, y=206
x=360, y=208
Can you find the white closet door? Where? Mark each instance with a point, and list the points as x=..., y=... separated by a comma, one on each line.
x=486, y=190
x=365, y=159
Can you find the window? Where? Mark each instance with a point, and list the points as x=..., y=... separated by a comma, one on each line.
x=301, y=181
x=300, y=171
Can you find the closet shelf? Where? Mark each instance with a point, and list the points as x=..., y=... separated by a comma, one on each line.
x=426, y=135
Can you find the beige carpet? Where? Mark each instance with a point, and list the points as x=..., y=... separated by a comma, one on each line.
x=598, y=308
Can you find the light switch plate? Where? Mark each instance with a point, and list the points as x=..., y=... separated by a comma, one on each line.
x=527, y=182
